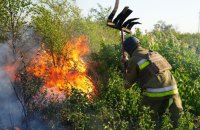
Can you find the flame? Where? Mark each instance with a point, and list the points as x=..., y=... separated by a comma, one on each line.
x=61, y=73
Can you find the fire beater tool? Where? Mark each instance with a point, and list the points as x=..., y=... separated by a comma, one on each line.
x=122, y=25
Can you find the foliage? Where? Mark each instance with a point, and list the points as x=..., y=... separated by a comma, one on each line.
x=107, y=61
x=100, y=15
x=51, y=21
x=114, y=107
x=13, y=21
x=185, y=65
x=145, y=121
x=95, y=28
x=13, y=15
x=167, y=124
x=117, y=108
x=186, y=120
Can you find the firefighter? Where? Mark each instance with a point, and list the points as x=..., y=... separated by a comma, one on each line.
x=152, y=73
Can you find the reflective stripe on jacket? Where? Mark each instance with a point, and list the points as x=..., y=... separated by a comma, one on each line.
x=161, y=92
x=143, y=63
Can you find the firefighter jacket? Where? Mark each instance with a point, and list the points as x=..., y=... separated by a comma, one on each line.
x=152, y=72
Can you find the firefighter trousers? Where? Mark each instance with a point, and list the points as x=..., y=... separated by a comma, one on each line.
x=160, y=106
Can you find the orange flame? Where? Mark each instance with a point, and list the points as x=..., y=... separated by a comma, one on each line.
x=61, y=73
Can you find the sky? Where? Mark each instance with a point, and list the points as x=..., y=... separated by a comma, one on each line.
x=182, y=14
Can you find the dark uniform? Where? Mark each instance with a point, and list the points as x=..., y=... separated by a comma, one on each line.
x=152, y=72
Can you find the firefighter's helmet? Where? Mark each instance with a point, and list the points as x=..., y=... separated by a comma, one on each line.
x=130, y=44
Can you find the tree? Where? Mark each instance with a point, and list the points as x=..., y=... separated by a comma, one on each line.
x=13, y=14
x=162, y=26
x=52, y=21
x=100, y=14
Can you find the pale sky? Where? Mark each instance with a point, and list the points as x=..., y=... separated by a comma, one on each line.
x=183, y=14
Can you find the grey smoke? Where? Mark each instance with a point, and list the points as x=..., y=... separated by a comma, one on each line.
x=11, y=111
x=10, y=108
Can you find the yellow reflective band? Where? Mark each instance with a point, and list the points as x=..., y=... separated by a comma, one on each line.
x=161, y=94
x=145, y=64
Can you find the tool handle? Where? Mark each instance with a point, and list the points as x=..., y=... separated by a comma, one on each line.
x=123, y=53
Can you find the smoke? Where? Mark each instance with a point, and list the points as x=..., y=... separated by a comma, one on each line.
x=11, y=110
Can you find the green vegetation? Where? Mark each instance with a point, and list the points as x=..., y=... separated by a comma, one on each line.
x=13, y=18
x=114, y=108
